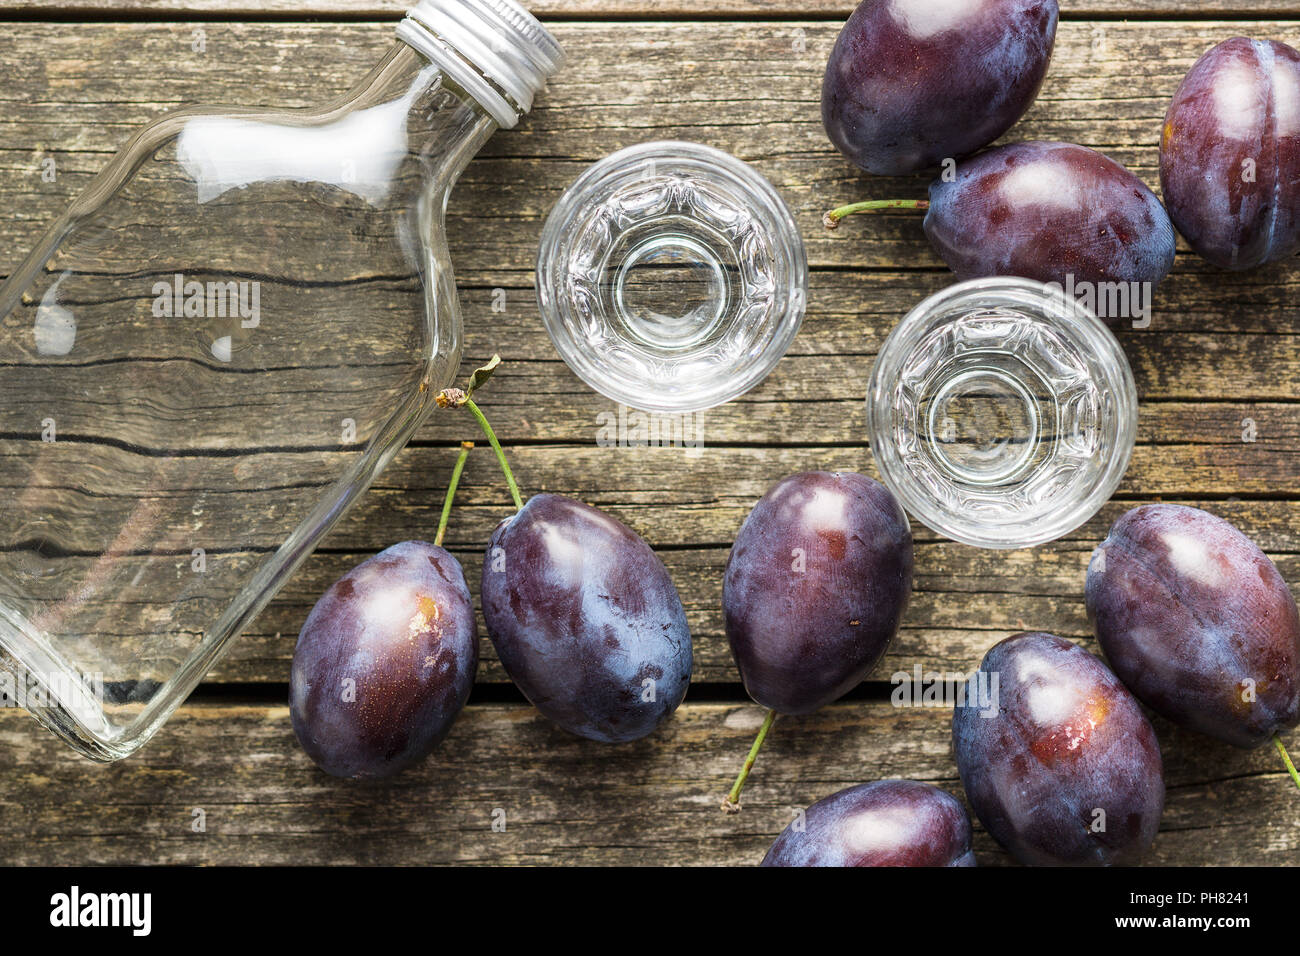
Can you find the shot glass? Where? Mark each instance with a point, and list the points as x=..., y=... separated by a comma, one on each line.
x=671, y=277
x=1002, y=413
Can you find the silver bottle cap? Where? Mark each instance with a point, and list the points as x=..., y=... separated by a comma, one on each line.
x=495, y=49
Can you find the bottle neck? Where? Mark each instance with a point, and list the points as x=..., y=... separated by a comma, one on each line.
x=444, y=127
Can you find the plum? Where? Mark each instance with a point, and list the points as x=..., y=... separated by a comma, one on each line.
x=586, y=620
x=816, y=584
x=1054, y=212
x=384, y=662
x=911, y=83
x=1049, y=211
x=886, y=823
x=1198, y=622
x=1064, y=769
x=1230, y=153
x=815, y=587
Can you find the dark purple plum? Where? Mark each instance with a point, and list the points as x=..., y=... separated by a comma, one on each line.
x=886, y=823
x=1230, y=154
x=385, y=662
x=911, y=83
x=817, y=582
x=1049, y=211
x=585, y=619
x=1063, y=768
x=1198, y=622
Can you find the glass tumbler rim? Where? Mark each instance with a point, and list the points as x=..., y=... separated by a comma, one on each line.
x=572, y=218
x=1108, y=364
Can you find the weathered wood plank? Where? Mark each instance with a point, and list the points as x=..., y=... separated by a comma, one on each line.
x=564, y=800
x=690, y=508
x=674, y=499
x=1239, y=377
x=600, y=9
x=964, y=598
x=752, y=88
x=1229, y=341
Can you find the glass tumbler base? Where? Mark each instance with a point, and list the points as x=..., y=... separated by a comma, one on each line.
x=1001, y=413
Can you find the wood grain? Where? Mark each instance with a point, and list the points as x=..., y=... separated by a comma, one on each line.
x=1221, y=349
x=76, y=91
x=964, y=599
x=604, y=9
x=563, y=800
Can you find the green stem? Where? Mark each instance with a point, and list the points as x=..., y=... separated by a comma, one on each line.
x=732, y=803
x=501, y=456
x=1286, y=759
x=832, y=218
x=465, y=447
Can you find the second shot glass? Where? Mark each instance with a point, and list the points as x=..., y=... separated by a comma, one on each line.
x=1002, y=413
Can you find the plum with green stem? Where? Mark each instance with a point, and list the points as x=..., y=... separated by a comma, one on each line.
x=386, y=659
x=581, y=611
x=814, y=590
x=1054, y=212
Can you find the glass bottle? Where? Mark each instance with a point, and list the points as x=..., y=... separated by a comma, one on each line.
x=213, y=352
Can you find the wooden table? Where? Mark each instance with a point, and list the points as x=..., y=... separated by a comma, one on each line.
x=745, y=76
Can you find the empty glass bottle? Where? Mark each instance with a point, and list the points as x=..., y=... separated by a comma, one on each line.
x=214, y=351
